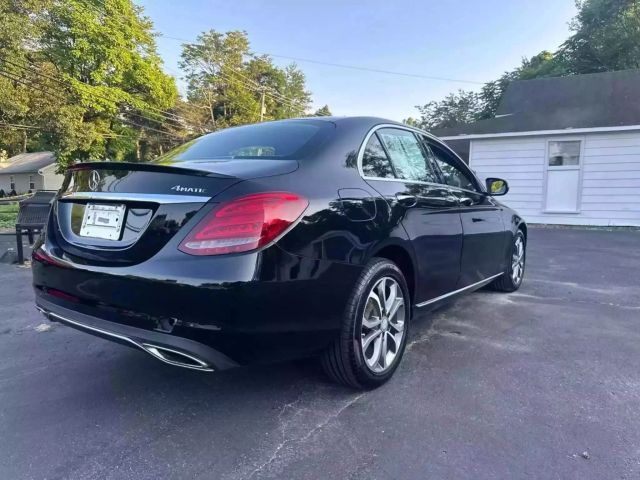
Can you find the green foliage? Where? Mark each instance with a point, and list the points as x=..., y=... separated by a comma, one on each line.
x=322, y=112
x=544, y=64
x=84, y=76
x=606, y=38
x=456, y=108
x=8, y=215
x=229, y=84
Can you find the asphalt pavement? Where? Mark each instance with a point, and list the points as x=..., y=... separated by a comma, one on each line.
x=543, y=383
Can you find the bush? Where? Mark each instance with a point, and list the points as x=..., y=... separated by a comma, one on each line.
x=8, y=215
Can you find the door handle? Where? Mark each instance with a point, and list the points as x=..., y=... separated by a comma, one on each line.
x=406, y=200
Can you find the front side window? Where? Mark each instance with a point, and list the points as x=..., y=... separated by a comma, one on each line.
x=564, y=153
x=452, y=174
x=375, y=162
x=407, y=155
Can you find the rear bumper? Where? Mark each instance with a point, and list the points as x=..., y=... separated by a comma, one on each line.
x=262, y=307
x=177, y=351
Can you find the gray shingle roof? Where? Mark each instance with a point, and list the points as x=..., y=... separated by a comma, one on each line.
x=607, y=99
x=28, y=162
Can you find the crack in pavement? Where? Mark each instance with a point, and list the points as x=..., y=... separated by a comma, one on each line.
x=285, y=442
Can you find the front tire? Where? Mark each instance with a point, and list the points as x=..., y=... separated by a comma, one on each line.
x=511, y=280
x=374, y=328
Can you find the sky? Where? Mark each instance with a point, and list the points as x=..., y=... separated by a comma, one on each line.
x=466, y=40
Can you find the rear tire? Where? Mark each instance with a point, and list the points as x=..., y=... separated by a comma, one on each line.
x=511, y=280
x=374, y=328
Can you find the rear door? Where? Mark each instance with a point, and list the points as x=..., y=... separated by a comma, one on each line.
x=396, y=165
x=483, y=249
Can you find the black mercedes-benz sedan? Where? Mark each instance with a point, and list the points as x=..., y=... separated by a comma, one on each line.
x=315, y=236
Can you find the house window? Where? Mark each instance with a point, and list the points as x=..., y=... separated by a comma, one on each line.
x=562, y=154
x=12, y=181
x=563, y=176
x=32, y=185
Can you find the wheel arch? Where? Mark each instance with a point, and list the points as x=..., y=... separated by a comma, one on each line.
x=401, y=256
x=523, y=226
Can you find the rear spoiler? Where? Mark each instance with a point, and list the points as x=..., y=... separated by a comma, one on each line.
x=145, y=167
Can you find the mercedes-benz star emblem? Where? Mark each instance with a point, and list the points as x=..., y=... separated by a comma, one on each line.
x=94, y=180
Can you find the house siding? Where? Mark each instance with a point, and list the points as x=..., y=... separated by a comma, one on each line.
x=610, y=182
x=21, y=181
x=51, y=179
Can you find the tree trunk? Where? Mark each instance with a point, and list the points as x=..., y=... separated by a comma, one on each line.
x=24, y=141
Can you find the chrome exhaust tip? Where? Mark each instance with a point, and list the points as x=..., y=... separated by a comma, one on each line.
x=176, y=358
x=167, y=355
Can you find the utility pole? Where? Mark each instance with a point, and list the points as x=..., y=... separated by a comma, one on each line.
x=262, y=112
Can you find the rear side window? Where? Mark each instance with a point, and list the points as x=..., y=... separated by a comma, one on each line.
x=269, y=140
x=407, y=155
x=375, y=162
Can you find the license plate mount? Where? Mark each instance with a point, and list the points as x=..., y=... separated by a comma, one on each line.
x=104, y=221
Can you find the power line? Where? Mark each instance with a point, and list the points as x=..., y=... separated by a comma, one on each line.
x=376, y=70
x=55, y=94
x=103, y=11
x=9, y=76
x=67, y=85
x=351, y=67
x=320, y=62
x=152, y=119
x=170, y=116
x=260, y=88
x=267, y=91
x=19, y=126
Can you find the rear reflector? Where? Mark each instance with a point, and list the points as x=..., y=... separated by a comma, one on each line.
x=244, y=224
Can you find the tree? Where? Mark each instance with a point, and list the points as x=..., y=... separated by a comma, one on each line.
x=454, y=109
x=86, y=77
x=233, y=84
x=606, y=38
x=544, y=64
x=322, y=112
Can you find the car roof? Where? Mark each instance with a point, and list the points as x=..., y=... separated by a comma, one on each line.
x=360, y=120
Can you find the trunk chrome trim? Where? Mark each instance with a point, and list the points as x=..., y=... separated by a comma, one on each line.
x=479, y=284
x=135, y=197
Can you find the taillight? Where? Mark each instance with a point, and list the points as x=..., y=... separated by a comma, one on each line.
x=244, y=224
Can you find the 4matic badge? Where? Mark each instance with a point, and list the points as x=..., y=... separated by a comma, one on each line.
x=180, y=188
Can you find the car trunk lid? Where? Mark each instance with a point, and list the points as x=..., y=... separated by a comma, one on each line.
x=114, y=213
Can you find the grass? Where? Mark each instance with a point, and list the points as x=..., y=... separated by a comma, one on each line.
x=8, y=214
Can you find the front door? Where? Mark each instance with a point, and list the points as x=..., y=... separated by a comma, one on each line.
x=485, y=237
x=395, y=164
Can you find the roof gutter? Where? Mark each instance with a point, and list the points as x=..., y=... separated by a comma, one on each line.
x=564, y=131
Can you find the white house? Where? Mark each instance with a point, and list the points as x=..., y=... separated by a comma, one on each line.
x=30, y=171
x=569, y=148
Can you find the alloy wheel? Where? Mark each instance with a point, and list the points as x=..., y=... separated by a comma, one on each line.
x=383, y=325
x=517, y=260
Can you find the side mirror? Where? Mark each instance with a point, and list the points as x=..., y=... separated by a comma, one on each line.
x=497, y=186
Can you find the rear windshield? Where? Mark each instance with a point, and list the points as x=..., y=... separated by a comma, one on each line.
x=271, y=140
